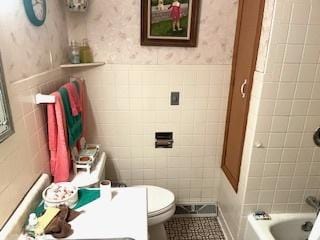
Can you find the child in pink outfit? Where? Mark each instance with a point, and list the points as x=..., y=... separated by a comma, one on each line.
x=175, y=15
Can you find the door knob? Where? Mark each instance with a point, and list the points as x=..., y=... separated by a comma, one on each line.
x=258, y=144
x=242, y=88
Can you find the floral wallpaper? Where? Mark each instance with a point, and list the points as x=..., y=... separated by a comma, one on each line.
x=26, y=49
x=113, y=29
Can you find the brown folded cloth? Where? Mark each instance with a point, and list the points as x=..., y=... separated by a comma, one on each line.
x=59, y=226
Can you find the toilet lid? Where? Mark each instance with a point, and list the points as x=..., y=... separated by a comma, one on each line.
x=158, y=199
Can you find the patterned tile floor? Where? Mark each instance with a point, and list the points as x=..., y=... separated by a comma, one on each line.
x=194, y=228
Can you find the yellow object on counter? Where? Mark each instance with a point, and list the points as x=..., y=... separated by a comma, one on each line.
x=45, y=219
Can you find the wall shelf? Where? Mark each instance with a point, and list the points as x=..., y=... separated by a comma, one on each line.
x=81, y=65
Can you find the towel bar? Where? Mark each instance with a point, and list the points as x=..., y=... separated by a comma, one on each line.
x=41, y=98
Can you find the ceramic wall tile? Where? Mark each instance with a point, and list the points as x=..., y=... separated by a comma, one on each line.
x=127, y=130
x=287, y=114
x=21, y=168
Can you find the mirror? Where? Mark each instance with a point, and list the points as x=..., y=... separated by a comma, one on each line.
x=6, y=126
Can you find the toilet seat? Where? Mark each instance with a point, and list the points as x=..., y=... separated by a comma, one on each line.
x=161, y=211
x=160, y=200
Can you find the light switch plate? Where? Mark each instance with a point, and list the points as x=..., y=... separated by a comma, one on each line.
x=175, y=98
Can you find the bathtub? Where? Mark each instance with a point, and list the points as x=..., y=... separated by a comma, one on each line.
x=285, y=226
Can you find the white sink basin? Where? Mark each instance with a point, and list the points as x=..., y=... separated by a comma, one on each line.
x=124, y=215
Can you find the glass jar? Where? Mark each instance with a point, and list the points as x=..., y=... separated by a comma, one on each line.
x=85, y=52
x=74, y=54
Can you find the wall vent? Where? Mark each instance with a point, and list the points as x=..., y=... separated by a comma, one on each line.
x=197, y=210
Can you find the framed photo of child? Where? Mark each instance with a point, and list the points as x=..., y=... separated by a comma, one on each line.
x=169, y=22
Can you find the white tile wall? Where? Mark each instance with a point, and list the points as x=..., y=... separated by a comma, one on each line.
x=290, y=150
x=285, y=171
x=129, y=103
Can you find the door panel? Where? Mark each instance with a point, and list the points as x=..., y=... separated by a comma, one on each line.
x=250, y=14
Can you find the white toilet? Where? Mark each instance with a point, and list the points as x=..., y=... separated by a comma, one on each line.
x=83, y=179
x=161, y=207
x=161, y=202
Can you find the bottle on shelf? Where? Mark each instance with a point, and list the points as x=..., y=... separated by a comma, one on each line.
x=74, y=54
x=85, y=52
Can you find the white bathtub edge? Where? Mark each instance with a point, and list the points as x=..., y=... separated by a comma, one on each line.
x=256, y=227
x=262, y=227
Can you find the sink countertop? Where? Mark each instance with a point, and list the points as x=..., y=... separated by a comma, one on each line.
x=125, y=216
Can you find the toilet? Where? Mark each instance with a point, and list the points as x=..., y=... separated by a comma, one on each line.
x=161, y=202
x=83, y=179
x=161, y=207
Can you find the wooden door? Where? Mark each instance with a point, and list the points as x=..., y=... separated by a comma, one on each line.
x=250, y=14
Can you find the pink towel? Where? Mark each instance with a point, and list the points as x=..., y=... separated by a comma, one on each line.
x=57, y=133
x=74, y=98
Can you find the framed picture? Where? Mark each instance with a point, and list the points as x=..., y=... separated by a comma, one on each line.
x=169, y=22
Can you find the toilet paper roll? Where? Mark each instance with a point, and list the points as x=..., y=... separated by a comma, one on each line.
x=163, y=142
x=105, y=190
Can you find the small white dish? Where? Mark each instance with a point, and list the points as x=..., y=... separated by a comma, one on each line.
x=60, y=193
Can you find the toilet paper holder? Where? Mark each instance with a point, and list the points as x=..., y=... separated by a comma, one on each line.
x=163, y=140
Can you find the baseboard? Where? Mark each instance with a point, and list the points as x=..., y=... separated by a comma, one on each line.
x=224, y=226
x=196, y=210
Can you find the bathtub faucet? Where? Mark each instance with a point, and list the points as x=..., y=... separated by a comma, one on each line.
x=313, y=202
